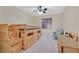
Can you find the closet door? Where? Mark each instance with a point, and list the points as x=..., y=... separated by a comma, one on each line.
x=4, y=41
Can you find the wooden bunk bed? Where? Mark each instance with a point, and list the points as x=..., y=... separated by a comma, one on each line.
x=18, y=37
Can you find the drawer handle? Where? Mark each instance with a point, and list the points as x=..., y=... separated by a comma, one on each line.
x=21, y=29
x=38, y=31
x=29, y=34
x=19, y=34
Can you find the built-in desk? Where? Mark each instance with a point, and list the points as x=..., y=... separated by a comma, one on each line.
x=67, y=44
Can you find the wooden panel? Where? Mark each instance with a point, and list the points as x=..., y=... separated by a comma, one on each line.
x=4, y=46
x=30, y=41
x=16, y=48
x=3, y=32
x=14, y=41
x=4, y=42
x=13, y=31
x=70, y=50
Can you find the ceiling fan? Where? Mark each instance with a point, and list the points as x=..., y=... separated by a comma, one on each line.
x=42, y=9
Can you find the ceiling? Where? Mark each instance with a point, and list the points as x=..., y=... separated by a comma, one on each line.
x=50, y=10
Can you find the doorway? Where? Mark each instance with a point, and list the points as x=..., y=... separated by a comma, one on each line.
x=47, y=26
x=47, y=23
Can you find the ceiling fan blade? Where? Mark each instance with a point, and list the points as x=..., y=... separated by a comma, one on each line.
x=40, y=6
x=44, y=12
x=45, y=8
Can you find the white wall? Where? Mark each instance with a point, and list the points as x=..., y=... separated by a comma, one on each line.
x=12, y=15
x=71, y=19
x=56, y=22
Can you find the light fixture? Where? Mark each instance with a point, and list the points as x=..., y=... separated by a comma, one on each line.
x=41, y=10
